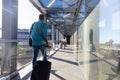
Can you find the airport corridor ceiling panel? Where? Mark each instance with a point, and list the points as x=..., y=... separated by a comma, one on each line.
x=65, y=15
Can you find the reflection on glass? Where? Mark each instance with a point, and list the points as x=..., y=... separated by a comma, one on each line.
x=109, y=38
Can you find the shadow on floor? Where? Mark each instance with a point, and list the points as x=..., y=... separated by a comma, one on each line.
x=67, y=61
x=54, y=73
x=66, y=51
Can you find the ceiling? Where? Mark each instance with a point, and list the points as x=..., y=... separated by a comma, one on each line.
x=65, y=15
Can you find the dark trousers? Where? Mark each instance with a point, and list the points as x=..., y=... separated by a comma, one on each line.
x=42, y=48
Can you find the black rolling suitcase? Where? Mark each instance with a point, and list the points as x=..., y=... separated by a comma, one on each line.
x=41, y=70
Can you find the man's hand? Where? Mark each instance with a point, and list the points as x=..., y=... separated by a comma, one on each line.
x=48, y=46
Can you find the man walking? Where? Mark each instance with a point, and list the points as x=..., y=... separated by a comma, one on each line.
x=38, y=33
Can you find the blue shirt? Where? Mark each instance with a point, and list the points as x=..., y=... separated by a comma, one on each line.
x=38, y=33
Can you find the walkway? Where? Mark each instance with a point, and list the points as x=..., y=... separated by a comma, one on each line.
x=64, y=66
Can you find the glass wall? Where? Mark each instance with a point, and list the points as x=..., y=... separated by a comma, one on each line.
x=97, y=42
x=15, y=52
x=109, y=41
x=0, y=17
x=0, y=31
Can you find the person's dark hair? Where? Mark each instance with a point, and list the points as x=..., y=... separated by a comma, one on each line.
x=41, y=17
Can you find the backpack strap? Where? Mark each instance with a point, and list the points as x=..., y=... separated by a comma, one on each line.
x=32, y=28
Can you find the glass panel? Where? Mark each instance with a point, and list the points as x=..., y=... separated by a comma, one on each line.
x=25, y=53
x=45, y=3
x=97, y=42
x=0, y=17
x=109, y=37
x=58, y=3
x=63, y=15
x=57, y=15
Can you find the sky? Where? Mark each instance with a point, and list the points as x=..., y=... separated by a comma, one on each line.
x=110, y=21
x=27, y=14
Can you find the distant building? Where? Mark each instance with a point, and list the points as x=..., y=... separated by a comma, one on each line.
x=23, y=34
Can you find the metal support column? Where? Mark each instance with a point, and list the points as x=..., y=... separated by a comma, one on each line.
x=57, y=38
x=53, y=37
x=9, y=34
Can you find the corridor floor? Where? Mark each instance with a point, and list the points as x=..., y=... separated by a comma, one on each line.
x=64, y=66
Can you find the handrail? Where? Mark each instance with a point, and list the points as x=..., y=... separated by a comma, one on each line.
x=10, y=40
